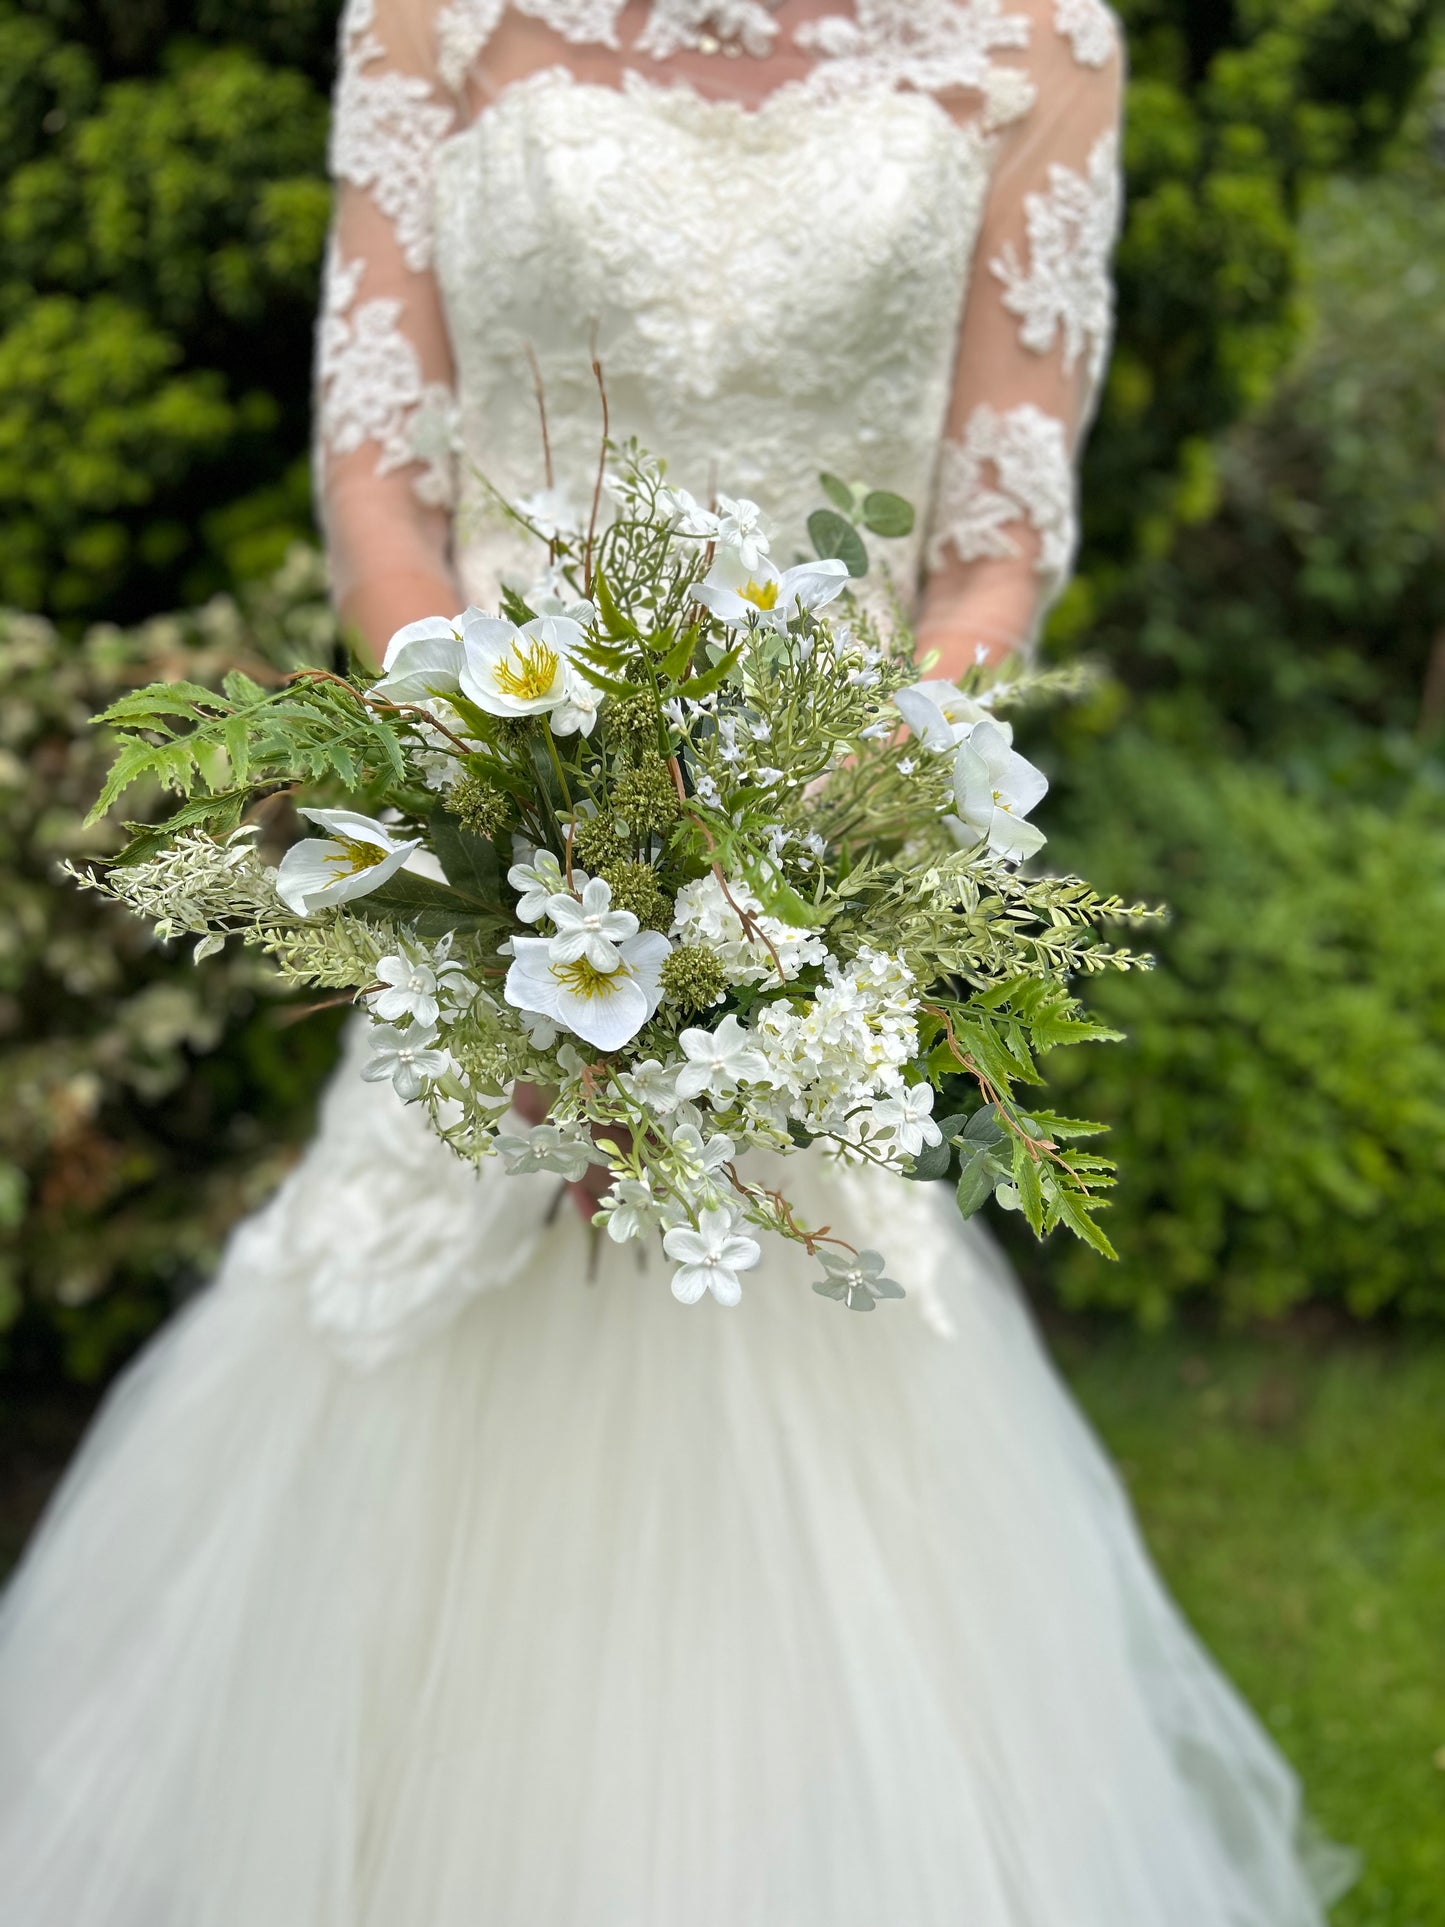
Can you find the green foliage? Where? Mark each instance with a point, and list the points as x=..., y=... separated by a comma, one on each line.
x=1279, y=1108
x=161, y=233
x=147, y=1102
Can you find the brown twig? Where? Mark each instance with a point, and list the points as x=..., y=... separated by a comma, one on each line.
x=786, y=1216
x=752, y=929
x=541, y=394
x=380, y=706
x=601, y=462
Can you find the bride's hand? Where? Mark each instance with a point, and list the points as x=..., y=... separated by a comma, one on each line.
x=532, y=1103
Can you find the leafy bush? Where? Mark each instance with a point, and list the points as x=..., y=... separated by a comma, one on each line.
x=147, y=1102
x=1279, y=1109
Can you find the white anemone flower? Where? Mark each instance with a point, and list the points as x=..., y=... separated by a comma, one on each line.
x=710, y=1257
x=356, y=856
x=519, y=672
x=405, y=1059
x=740, y=530
x=718, y=1061
x=606, y=1008
x=940, y=715
x=424, y=659
x=994, y=789
x=908, y=1117
x=588, y=927
x=744, y=597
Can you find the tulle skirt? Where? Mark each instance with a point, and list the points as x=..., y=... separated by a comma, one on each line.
x=425, y=1575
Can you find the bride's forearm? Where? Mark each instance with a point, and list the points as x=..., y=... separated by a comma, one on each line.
x=983, y=612
x=375, y=609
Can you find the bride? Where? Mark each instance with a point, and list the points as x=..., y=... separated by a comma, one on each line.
x=422, y=1577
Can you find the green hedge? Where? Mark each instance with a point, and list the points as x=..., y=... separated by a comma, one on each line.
x=147, y=1102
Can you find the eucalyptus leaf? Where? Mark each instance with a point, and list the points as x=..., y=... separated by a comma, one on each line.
x=835, y=539
x=837, y=492
x=975, y=1184
x=932, y=1163
x=888, y=515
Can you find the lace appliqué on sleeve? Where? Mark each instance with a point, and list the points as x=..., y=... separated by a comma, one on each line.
x=932, y=45
x=385, y=131
x=1067, y=290
x=370, y=388
x=1009, y=469
x=1089, y=28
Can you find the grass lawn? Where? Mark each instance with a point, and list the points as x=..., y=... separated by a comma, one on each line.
x=1294, y=1495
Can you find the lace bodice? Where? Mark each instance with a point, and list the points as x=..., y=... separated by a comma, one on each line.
x=873, y=239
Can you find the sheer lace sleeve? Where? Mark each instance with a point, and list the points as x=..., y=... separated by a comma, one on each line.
x=1034, y=339
x=383, y=374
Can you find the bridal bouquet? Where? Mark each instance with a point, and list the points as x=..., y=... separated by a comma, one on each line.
x=685, y=838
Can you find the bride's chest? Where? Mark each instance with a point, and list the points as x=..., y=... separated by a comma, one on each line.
x=566, y=201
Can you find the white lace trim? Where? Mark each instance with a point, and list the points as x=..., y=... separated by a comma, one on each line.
x=932, y=45
x=1090, y=30
x=702, y=26
x=1009, y=469
x=370, y=387
x=385, y=131
x=1067, y=290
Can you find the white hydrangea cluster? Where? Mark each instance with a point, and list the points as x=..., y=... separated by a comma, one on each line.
x=847, y=1048
x=705, y=916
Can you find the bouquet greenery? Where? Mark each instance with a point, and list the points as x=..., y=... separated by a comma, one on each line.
x=681, y=836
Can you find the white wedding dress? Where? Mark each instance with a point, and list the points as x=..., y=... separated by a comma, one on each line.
x=421, y=1575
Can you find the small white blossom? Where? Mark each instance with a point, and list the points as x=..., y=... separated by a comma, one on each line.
x=552, y=513
x=739, y=530
x=405, y=1058
x=856, y=1279
x=631, y=1210
x=538, y=881
x=589, y=927
x=564, y=1149
x=907, y=1117
x=718, y=1061
x=651, y=1086
x=994, y=788
x=410, y=991
x=710, y=1257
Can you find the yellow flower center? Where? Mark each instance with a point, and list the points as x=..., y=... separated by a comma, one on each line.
x=762, y=595
x=356, y=857
x=533, y=676
x=584, y=980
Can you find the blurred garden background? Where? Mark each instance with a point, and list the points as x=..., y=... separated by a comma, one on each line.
x=1264, y=586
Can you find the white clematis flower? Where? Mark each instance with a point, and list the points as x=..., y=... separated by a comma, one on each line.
x=605, y=1008
x=519, y=672
x=745, y=597
x=718, y=1061
x=907, y=1117
x=994, y=789
x=356, y=856
x=589, y=928
x=940, y=715
x=710, y=1258
x=405, y=1058
x=740, y=530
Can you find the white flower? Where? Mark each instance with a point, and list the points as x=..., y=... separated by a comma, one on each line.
x=519, y=672
x=357, y=856
x=710, y=1258
x=940, y=715
x=425, y=659
x=746, y=596
x=537, y=882
x=994, y=789
x=542, y=1033
x=631, y=1210
x=411, y=991
x=578, y=711
x=718, y=1061
x=704, y=915
x=564, y=1149
x=700, y=1161
x=685, y=514
x=405, y=1058
x=603, y=1007
x=739, y=529
x=856, y=1279
x=651, y=1086
x=589, y=928
x=552, y=513
x=908, y=1117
